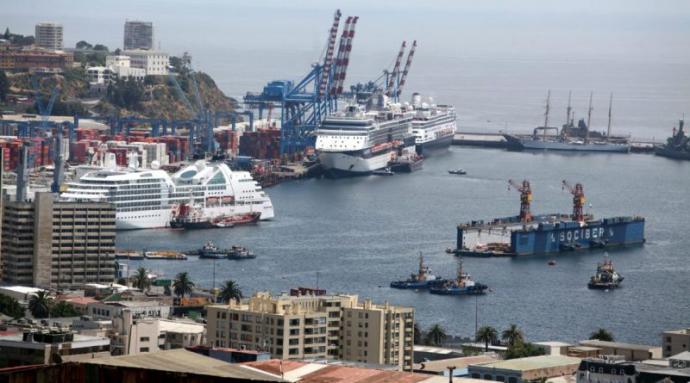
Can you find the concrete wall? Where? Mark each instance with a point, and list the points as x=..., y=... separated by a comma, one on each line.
x=43, y=239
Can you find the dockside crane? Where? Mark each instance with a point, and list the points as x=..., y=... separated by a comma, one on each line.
x=525, y=198
x=304, y=104
x=408, y=64
x=393, y=75
x=578, y=200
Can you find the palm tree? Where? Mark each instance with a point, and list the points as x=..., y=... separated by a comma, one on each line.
x=183, y=285
x=417, y=334
x=602, y=334
x=512, y=335
x=487, y=334
x=39, y=304
x=231, y=290
x=436, y=335
x=141, y=279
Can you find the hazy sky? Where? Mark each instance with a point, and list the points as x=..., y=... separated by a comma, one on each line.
x=526, y=28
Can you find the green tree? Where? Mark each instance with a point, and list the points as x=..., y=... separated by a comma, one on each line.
x=521, y=349
x=602, y=334
x=83, y=45
x=417, y=334
x=100, y=47
x=4, y=86
x=487, y=334
x=183, y=285
x=126, y=94
x=6, y=36
x=40, y=304
x=436, y=335
x=10, y=307
x=512, y=335
x=230, y=291
x=63, y=309
x=141, y=279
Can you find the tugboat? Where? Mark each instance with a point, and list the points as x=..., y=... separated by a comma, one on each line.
x=422, y=280
x=458, y=172
x=211, y=251
x=239, y=252
x=462, y=285
x=606, y=277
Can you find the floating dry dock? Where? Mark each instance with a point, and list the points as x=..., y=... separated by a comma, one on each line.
x=525, y=234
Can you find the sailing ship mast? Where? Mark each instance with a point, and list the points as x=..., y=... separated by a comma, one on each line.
x=589, y=117
x=608, y=129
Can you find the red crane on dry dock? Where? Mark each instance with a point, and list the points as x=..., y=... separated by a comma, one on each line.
x=525, y=199
x=578, y=193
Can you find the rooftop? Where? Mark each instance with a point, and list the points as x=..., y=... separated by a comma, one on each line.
x=180, y=326
x=439, y=366
x=627, y=346
x=183, y=361
x=21, y=289
x=684, y=331
x=532, y=363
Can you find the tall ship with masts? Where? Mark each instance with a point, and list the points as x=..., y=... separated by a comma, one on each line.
x=578, y=138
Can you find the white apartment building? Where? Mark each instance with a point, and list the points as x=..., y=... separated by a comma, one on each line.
x=49, y=36
x=139, y=309
x=154, y=63
x=99, y=75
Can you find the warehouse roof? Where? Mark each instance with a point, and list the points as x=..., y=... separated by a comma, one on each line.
x=627, y=346
x=183, y=361
x=531, y=363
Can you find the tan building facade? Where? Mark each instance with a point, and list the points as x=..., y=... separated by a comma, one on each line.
x=57, y=244
x=315, y=327
x=675, y=341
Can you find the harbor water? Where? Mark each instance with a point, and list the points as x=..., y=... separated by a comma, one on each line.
x=357, y=235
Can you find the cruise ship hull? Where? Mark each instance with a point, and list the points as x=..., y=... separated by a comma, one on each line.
x=427, y=148
x=343, y=164
x=528, y=143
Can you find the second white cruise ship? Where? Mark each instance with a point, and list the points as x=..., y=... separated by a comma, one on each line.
x=433, y=125
x=147, y=199
x=358, y=142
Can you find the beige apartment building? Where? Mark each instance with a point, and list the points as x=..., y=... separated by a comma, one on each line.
x=675, y=341
x=315, y=327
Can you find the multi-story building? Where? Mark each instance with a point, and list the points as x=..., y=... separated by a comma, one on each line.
x=32, y=347
x=675, y=341
x=154, y=63
x=121, y=66
x=49, y=36
x=56, y=244
x=523, y=370
x=315, y=327
x=99, y=75
x=138, y=309
x=13, y=60
x=138, y=35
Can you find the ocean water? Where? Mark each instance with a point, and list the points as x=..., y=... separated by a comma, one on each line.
x=495, y=61
x=357, y=235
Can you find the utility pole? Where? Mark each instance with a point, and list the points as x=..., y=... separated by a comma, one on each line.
x=450, y=373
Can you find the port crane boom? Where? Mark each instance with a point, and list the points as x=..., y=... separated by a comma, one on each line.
x=408, y=64
x=328, y=60
x=525, y=198
x=396, y=69
x=578, y=200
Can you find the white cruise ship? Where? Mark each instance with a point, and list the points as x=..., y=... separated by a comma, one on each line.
x=433, y=126
x=356, y=141
x=146, y=199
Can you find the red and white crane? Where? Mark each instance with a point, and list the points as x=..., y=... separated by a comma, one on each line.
x=578, y=200
x=525, y=199
x=343, y=58
x=396, y=69
x=328, y=60
x=408, y=64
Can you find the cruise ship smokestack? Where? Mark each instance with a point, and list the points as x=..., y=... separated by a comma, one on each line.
x=23, y=172
x=58, y=161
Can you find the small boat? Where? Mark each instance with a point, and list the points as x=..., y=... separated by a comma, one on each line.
x=606, y=277
x=211, y=251
x=132, y=255
x=165, y=254
x=422, y=280
x=459, y=172
x=462, y=285
x=551, y=262
x=240, y=252
x=383, y=172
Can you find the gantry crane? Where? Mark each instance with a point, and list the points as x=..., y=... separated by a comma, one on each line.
x=304, y=104
x=578, y=200
x=525, y=199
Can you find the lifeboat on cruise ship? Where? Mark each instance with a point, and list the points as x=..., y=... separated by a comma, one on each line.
x=381, y=147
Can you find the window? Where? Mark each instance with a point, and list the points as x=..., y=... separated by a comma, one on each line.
x=512, y=379
x=144, y=349
x=144, y=339
x=500, y=378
